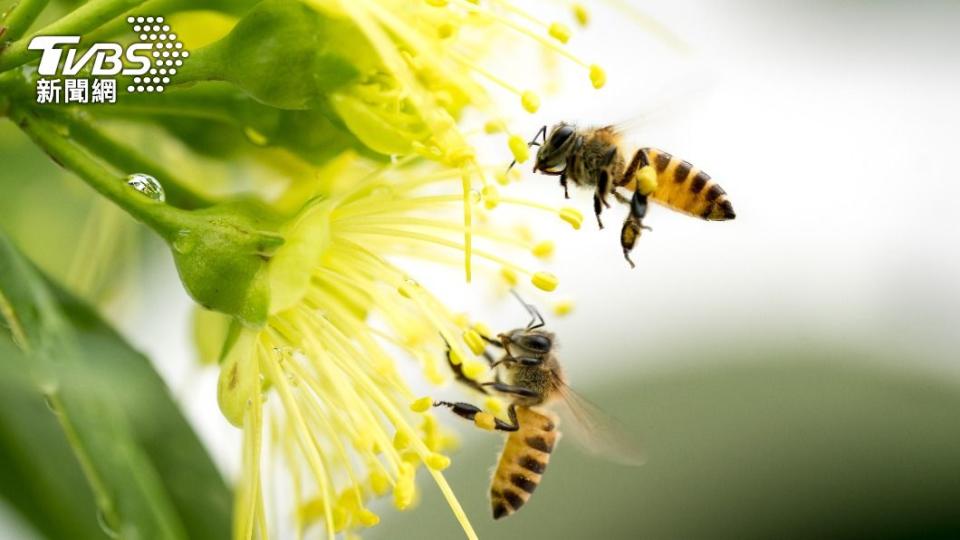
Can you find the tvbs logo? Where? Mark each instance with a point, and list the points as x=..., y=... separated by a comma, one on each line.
x=150, y=63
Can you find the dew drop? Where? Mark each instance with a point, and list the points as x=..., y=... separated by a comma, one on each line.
x=105, y=525
x=147, y=185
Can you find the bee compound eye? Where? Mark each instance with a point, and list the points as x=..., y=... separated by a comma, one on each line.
x=535, y=343
x=560, y=136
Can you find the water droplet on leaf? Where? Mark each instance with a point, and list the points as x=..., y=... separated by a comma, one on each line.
x=147, y=185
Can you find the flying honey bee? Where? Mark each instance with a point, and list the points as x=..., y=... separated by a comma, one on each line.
x=597, y=157
x=532, y=378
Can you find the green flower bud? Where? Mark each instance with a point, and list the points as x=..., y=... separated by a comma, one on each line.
x=222, y=253
x=287, y=54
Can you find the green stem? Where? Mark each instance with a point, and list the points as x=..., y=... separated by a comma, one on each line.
x=129, y=159
x=85, y=18
x=162, y=218
x=19, y=19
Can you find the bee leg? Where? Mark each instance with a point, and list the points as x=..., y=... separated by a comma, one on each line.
x=633, y=225
x=504, y=388
x=597, y=208
x=621, y=198
x=457, y=370
x=468, y=411
x=563, y=182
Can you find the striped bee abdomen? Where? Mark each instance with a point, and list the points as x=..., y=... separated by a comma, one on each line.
x=685, y=188
x=523, y=461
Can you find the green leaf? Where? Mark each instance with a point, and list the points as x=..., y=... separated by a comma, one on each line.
x=89, y=435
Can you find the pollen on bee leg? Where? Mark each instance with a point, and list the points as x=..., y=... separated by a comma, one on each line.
x=646, y=180
x=485, y=420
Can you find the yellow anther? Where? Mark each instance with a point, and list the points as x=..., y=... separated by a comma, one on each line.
x=647, y=180
x=411, y=457
x=493, y=126
x=581, y=14
x=597, y=76
x=563, y=307
x=422, y=405
x=491, y=197
x=493, y=405
x=519, y=148
x=474, y=341
x=545, y=281
x=560, y=32
x=405, y=489
x=543, y=249
x=401, y=439
x=509, y=275
x=434, y=376
x=474, y=369
x=349, y=500
x=530, y=101
x=437, y=3
x=572, y=216
x=445, y=30
x=482, y=329
x=503, y=178
x=461, y=319
x=485, y=420
x=437, y=462
x=379, y=483
x=367, y=518
x=455, y=357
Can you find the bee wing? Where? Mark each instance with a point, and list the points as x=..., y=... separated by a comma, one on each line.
x=664, y=105
x=595, y=431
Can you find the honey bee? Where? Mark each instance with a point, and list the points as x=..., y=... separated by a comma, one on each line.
x=531, y=377
x=597, y=157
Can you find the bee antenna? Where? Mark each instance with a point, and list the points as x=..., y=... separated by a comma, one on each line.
x=536, y=320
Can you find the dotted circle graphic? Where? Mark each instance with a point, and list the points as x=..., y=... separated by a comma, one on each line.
x=167, y=53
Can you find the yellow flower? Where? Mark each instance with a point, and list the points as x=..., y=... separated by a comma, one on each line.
x=317, y=387
x=326, y=361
